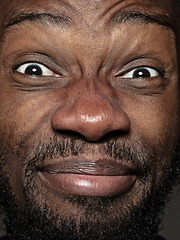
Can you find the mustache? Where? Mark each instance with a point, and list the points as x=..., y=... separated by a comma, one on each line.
x=134, y=153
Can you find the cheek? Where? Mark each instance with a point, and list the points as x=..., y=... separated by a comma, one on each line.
x=156, y=119
x=156, y=116
x=25, y=113
x=22, y=115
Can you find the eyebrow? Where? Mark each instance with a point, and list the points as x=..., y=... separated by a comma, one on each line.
x=142, y=17
x=129, y=16
x=43, y=18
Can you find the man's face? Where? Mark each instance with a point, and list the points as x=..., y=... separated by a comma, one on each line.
x=89, y=113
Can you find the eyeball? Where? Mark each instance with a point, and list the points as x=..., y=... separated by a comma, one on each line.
x=141, y=72
x=35, y=69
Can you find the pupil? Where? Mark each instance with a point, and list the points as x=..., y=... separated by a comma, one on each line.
x=141, y=73
x=33, y=70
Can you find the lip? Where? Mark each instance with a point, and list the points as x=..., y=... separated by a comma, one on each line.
x=103, y=178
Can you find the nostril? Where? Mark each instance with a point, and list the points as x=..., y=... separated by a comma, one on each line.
x=73, y=135
x=114, y=134
x=69, y=134
x=91, y=127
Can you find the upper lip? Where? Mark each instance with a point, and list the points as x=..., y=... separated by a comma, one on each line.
x=103, y=167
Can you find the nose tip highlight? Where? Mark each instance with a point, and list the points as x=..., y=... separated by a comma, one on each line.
x=96, y=127
x=92, y=119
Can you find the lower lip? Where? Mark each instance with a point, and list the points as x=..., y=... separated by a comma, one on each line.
x=89, y=185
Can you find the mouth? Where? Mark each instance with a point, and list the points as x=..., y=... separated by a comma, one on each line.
x=105, y=178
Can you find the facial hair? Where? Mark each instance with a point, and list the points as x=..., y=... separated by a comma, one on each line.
x=140, y=221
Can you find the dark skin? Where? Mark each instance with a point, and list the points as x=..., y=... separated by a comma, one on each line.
x=88, y=91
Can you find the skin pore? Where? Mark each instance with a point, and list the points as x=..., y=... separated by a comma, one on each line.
x=89, y=117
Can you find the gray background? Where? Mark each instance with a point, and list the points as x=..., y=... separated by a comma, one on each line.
x=171, y=221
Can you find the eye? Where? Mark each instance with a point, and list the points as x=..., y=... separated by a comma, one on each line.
x=141, y=72
x=35, y=69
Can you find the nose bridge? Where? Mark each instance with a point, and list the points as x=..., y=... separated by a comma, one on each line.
x=89, y=96
x=93, y=105
x=90, y=112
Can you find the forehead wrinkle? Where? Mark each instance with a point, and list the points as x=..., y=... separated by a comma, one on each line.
x=44, y=18
x=111, y=7
x=140, y=12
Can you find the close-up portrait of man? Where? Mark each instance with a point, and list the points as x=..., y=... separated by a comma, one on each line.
x=89, y=118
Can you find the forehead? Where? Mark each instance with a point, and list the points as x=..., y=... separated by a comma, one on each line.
x=90, y=11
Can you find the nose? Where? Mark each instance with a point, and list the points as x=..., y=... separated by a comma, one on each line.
x=92, y=114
